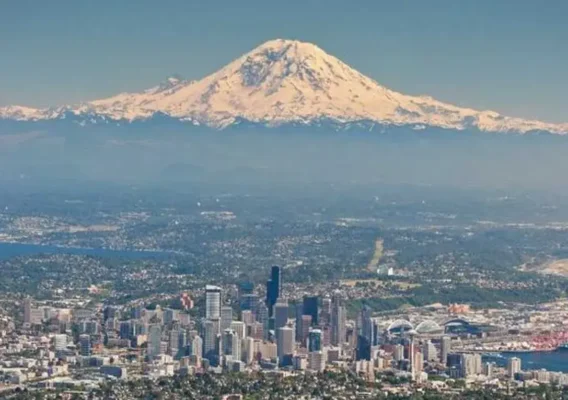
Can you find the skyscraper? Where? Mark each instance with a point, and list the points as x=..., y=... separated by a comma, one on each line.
x=239, y=328
x=273, y=289
x=210, y=332
x=125, y=330
x=305, y=324
x=285, y=343
x=154, y=340
x=247, y=317
x=310, y=307
x=513, y=367
x=445, y=349
x=249, y=302
x=338, y=315
x=429, y=351
x=325, y=310
x=315, y=340
x=27, y=310
x=197, y=346
x=231, y=344
x=212, y=302
x=85, y=345
x=280, y=314
x=226, y=317
x=60, y=342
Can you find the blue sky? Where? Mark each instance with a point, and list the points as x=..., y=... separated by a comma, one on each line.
x=506, y=55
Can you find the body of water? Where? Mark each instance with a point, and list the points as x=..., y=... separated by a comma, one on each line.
x=10, y=250
x=556, y=360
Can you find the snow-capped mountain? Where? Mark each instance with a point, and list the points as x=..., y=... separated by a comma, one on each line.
x=281, y=82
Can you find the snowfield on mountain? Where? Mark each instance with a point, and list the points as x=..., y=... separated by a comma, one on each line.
x=281, y=82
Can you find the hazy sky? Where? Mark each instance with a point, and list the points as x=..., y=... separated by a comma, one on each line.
x=506, y=55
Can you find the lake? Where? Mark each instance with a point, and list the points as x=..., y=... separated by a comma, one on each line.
x=556, y=360
x=10, y=250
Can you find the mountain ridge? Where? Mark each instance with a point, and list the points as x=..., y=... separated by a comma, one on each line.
x=283, y=82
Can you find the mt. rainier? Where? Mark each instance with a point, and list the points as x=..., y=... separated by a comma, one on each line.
x=281, y=82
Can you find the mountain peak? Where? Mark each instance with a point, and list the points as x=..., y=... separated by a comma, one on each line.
x=288, y=81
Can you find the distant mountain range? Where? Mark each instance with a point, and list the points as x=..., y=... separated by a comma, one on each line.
x=279, y=83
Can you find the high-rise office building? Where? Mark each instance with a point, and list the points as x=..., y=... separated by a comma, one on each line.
x=299, y=308
x=212, y=302
x=169, y=316
x=310, y=307
x=429, y=351
x=280, y=314
x=247, y=317
x=470, y=365
x=315, y=340
x=316, y=361
x=27, y=310
x=513, y=367
x=285, y=343
x=85, y=345
x=210, y=332
x=240, y=328
x=273, y=289
x=249, y=302
x=226, y=317
x=154, y=340
x=398, y=353
x=305, y=324
x=125, y=330
x=231, y=345
x=445, y=349
x=60, y=342
x=173, y=342
x=365, y=323
x=249, y=352
x=338, y=328
x=197, y=346
x=325, y=314
x=488, y=369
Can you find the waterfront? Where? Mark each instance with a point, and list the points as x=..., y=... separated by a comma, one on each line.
x=556, y=360
x=9, y=250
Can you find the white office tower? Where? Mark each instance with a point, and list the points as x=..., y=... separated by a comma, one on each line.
x=247, y=317
x=488, y=369
x=445, y=349
x=285, y=343
x=249, y=350
x=212, y=302
x=470, y=365
x=197, y=346
x=417, y=365
x=398, y=353
x=338, y=315
x=429, y=351
x=513, y=367
x=316, y=361
x=154, y=340
x=239, y=327
x=231, y=345
x=226, y=317
x=60, y=342
x=268, y=350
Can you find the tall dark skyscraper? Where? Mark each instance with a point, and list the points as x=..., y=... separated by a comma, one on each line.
x=273, y=288
x=310, y=307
